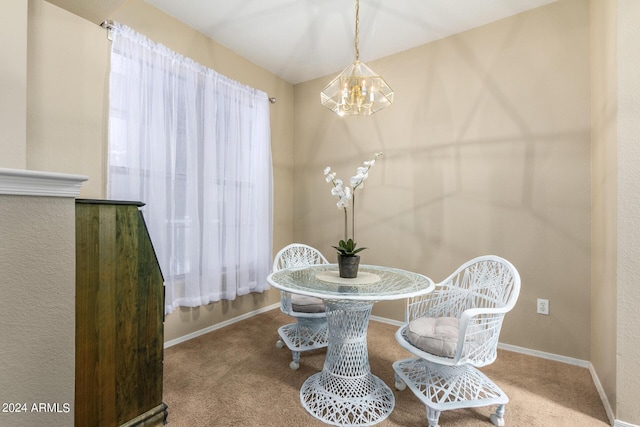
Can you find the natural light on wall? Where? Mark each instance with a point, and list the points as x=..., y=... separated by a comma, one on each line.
x=357, y=90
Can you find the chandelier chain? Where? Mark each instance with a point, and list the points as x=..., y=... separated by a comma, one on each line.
x=357, y=30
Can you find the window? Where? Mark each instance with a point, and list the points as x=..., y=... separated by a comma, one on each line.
x=194, y=146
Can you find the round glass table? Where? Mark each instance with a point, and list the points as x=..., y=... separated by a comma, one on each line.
x=345, y=392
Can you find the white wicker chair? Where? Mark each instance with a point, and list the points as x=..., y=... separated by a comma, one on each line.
x=309, y=332
x=457, y=328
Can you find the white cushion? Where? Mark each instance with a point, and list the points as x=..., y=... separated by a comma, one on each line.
x=306, y=304
x=435, y=335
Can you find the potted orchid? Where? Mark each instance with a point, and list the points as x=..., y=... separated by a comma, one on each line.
x=348, y=258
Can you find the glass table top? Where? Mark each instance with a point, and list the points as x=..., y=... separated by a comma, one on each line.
x=374, y=283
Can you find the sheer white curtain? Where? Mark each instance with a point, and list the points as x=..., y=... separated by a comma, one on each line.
x=195, y=147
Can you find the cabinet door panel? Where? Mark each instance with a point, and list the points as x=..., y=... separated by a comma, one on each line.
x=119, y=316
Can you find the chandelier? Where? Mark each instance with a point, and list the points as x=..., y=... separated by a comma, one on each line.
x=357, y=91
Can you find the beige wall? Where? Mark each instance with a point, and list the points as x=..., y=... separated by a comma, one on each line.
x=603, y=194
x=67, y=96
x=37, y=261
x=628, y=231
x=615, y=188
x=67, y=116
x=13, y=84
x=486, y=150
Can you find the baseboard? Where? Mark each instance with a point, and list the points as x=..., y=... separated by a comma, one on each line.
x=152, y=418
x=576, y=362
x=387, y=321
x=545, y=355
x=604, y=399
x=246, y=316
x=220, y=325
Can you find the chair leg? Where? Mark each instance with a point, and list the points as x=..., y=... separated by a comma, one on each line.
x=432, y=417
x=498, y=418
x=295, y=364
x=400, y=385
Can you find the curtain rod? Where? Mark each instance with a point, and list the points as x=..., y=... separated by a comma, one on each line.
x=109, y=26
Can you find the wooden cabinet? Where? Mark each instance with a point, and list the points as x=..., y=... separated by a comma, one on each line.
x=119, y=318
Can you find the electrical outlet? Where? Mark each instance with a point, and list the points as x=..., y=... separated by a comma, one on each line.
x=543, y=306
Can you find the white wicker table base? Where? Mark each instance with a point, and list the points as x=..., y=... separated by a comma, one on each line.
x=442, y=388
x=345, y=393
x=347, y=402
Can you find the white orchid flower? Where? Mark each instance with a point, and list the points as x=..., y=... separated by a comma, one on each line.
x=356, y=180
x=330, y=177
x=346, y=194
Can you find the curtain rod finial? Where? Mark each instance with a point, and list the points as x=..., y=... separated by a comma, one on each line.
x=108, y=25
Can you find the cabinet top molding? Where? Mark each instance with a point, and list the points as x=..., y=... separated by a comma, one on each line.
x=24, y=182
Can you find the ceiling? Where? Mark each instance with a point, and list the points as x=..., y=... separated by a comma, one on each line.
x=300, y=40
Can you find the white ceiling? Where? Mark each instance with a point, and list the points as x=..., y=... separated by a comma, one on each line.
x=300, y=40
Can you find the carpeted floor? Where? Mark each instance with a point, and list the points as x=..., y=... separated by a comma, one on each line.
x=236, y=376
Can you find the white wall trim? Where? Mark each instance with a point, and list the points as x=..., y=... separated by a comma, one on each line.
x=220, y=325
x=23, y=182
x=545, y=355
x=603, y=397
x=618, y=423
x=387, y=321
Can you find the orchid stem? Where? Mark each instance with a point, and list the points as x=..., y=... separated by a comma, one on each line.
x=353, y=216
x=345, y=224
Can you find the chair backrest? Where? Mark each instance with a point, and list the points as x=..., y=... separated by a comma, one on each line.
x=297, y=255
x=485, y=282
x=479, y=294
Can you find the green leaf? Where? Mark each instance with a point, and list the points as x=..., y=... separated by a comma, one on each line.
x=347, y=248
